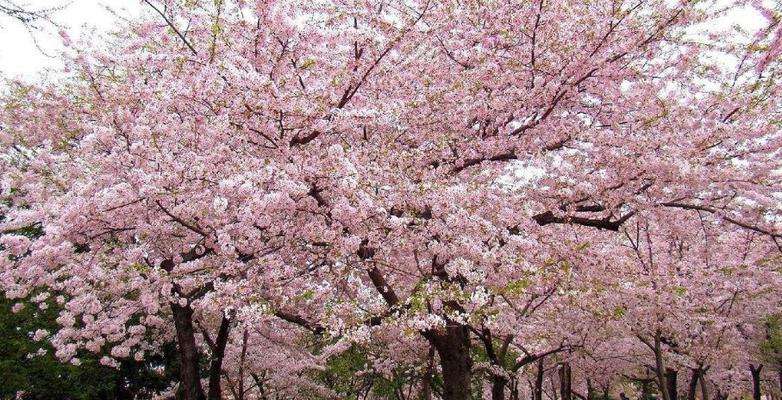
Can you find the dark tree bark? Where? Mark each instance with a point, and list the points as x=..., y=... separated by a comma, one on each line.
x=514, y=393
x=216, y=364
x=498, y=384
x=453, y=347
x=755, y=371
x=671, y=378
x=693, y=386
x=498, y=359
x=190, y=380
x=659, y=365
x=245, y=337
x=538, y=391
x=565, y=380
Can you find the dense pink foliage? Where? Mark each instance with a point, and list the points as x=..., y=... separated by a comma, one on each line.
x=586, y=180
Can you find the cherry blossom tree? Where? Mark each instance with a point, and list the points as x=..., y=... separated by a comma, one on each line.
x=454, y=175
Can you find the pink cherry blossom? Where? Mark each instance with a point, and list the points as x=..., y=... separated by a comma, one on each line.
x=491, y=191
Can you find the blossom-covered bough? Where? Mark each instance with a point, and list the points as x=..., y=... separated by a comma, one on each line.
x=521, y=180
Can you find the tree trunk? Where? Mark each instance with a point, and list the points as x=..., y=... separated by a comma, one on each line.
x=565, y=388
x=498, y=387
x=514, y=393
x=189, y=377
x=453, y=347
x=538, y=391
x=704, y=388
x=693, y=387
x=216, y=364
x=671, y=378
x=755, y=380
x=660, y=369
x=242, y=358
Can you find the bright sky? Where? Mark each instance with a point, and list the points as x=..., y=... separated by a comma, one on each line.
x=19, y=57
x=18, y=53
